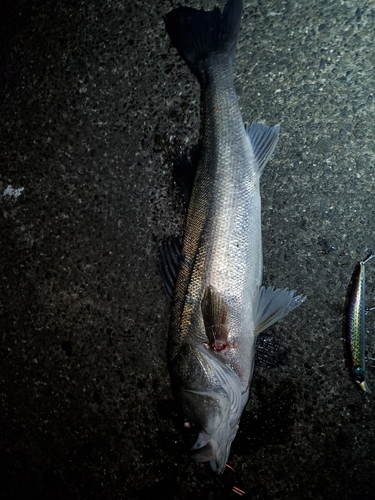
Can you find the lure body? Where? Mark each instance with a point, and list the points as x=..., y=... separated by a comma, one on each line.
x=356, y=326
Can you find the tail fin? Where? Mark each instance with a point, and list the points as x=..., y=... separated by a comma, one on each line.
x=196, y=33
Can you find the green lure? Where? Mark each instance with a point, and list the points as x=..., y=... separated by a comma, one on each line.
x=356, y=325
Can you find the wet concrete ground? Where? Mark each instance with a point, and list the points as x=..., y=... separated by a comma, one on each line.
x=94, y=106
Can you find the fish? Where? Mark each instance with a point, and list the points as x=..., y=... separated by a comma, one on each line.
x=214, y=278
x=355, y=325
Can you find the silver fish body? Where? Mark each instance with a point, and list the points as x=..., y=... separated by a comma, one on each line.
x=219, y=304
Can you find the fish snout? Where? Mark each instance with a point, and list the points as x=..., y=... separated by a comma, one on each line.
x=213, y=453
x=214, y=449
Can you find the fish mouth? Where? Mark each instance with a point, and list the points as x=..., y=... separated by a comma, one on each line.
x=208, y=449
x=209, y=453
x=204, y=454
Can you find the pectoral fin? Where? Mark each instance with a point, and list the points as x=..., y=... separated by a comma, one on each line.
x=214, y=311
x=268, y=352
x=274, y=305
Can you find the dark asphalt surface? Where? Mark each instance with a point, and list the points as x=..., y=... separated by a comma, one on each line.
x=94, y=105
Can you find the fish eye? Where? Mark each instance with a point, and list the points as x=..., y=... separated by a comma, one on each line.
x=189, y=433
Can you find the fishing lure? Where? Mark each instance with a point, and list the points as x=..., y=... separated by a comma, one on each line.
x=356, y=325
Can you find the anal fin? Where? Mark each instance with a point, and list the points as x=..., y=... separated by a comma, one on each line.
x=268, y=352
x=263, y=140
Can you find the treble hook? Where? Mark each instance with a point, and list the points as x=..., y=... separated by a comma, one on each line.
x=231, y=482
x=369, y=257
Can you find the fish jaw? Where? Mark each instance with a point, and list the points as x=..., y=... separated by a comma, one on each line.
x=212, y=398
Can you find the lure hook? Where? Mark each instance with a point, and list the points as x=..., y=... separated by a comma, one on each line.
x=230, y=481
x=369, y=257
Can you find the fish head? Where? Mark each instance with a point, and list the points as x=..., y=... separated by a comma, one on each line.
x=215, y=428
x=212, y=398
